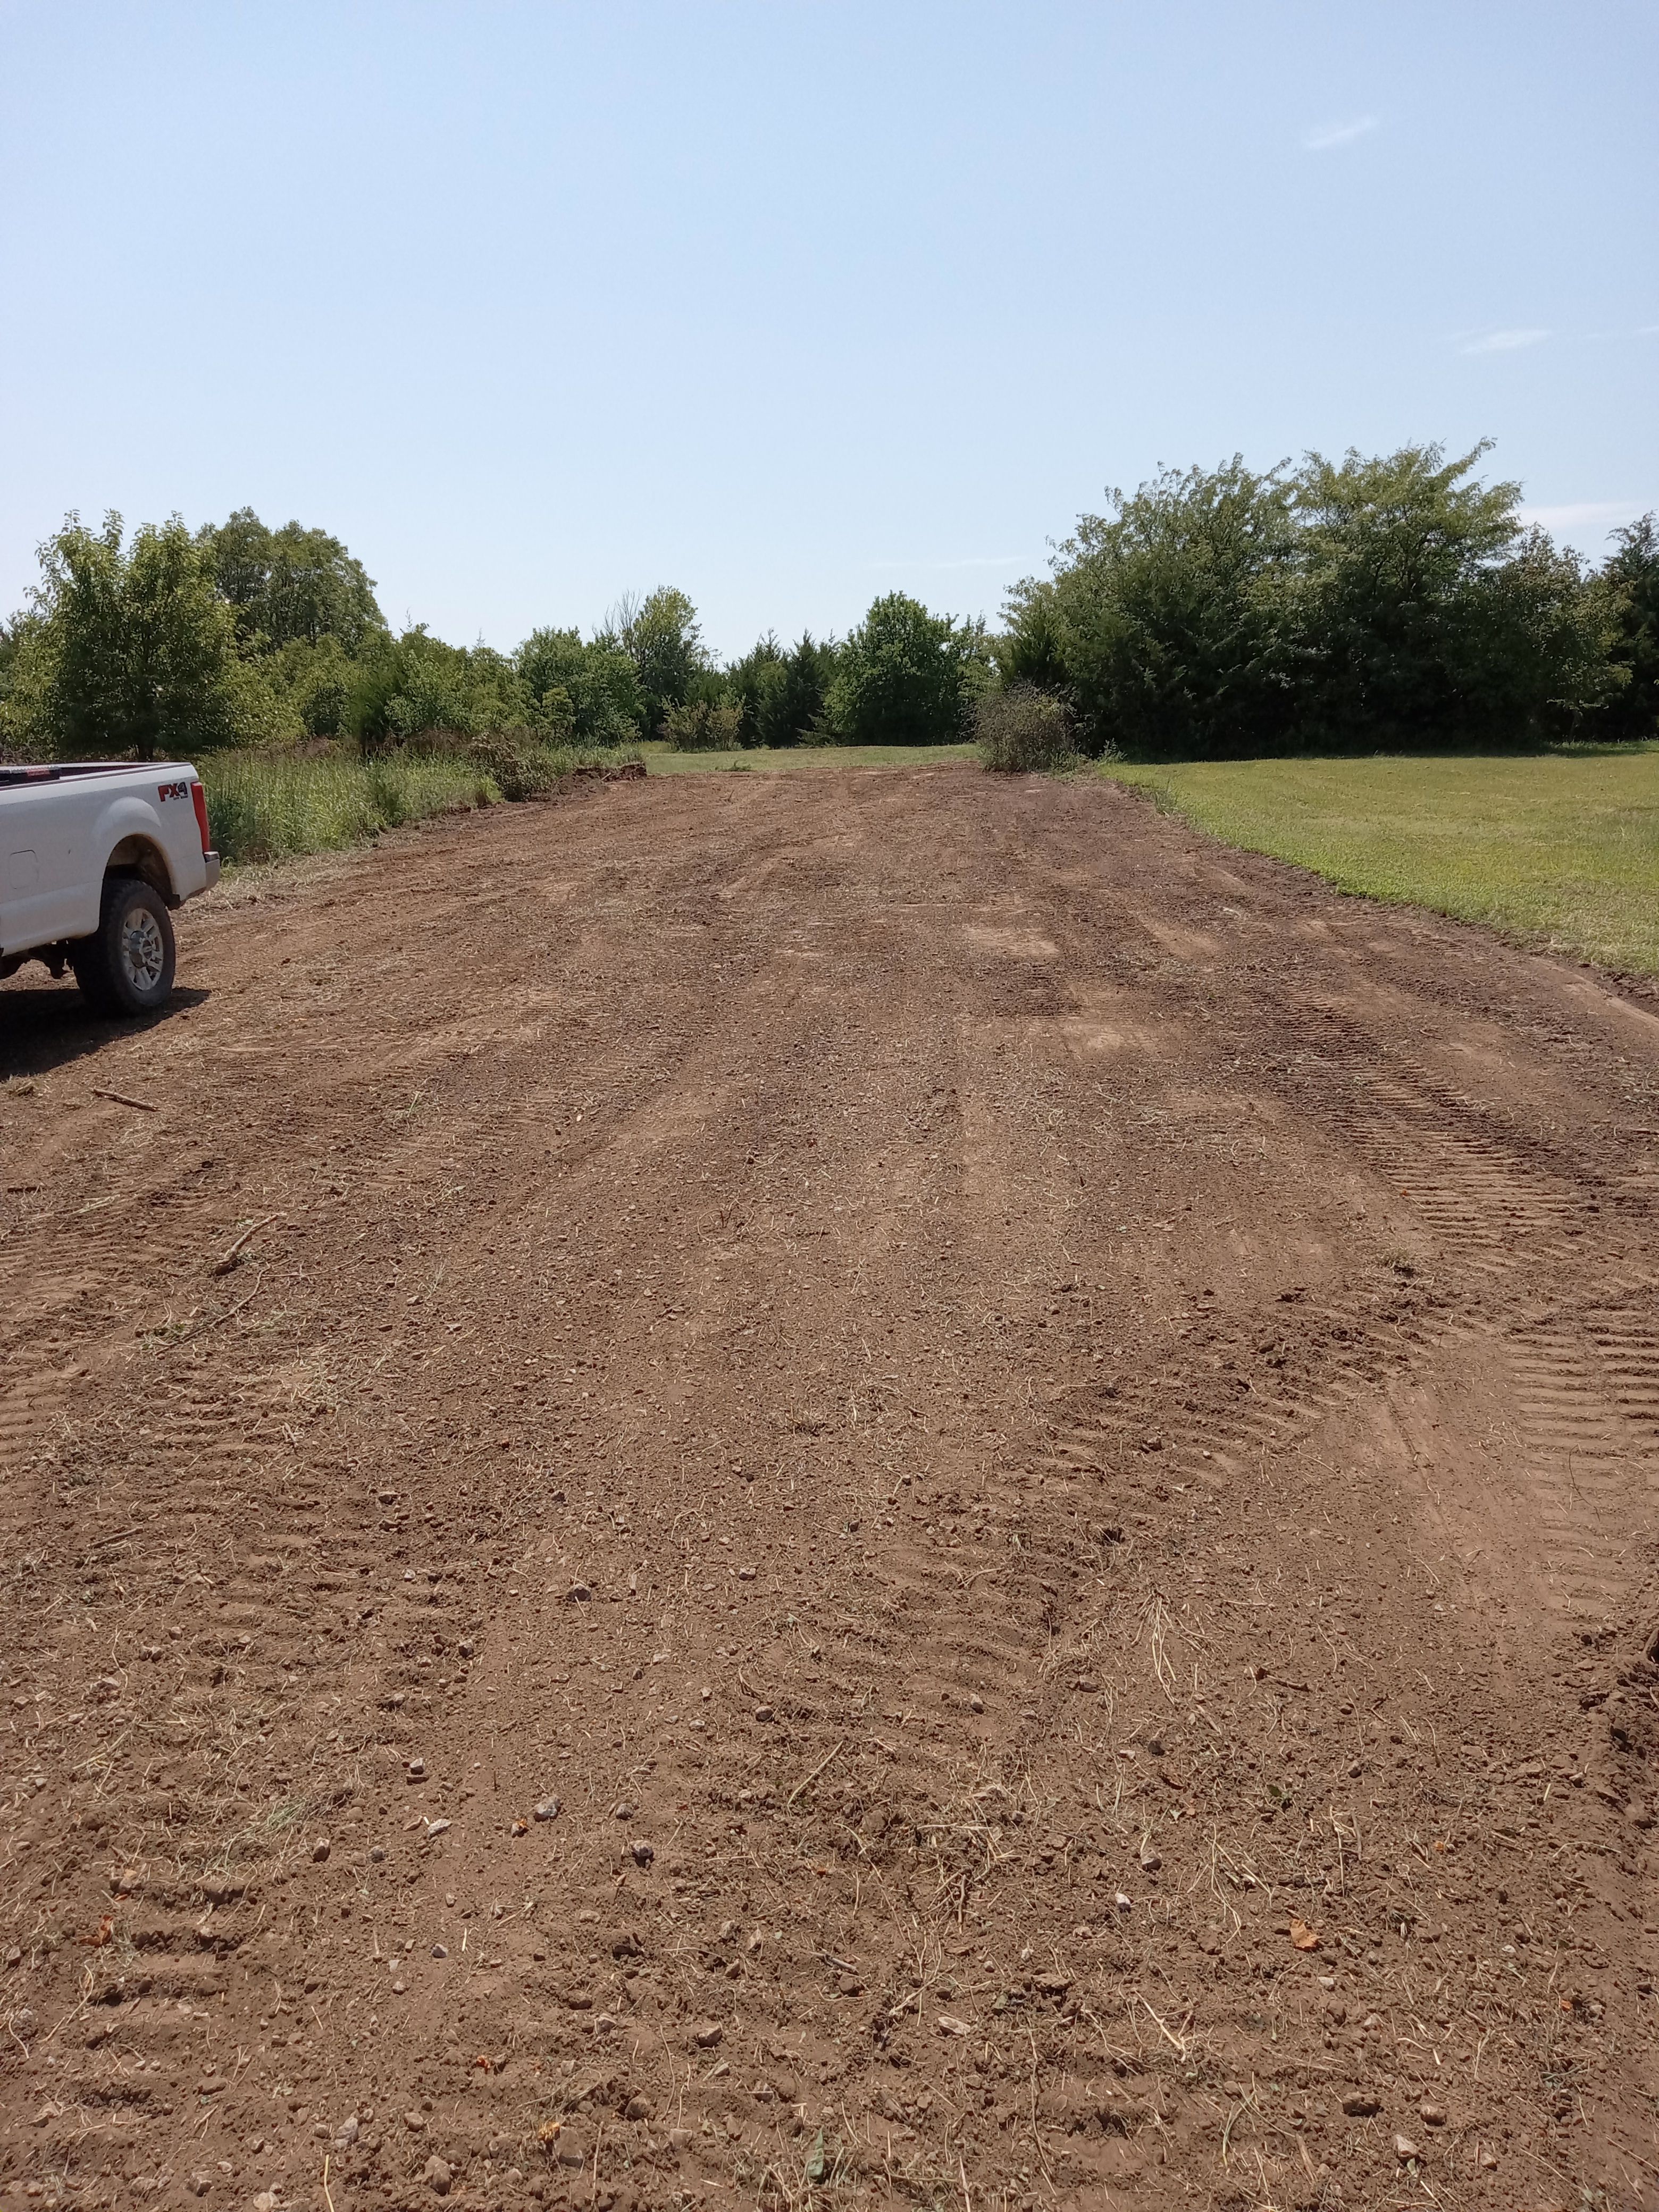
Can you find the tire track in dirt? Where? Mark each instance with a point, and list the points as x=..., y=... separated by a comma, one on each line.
x=992, y=1382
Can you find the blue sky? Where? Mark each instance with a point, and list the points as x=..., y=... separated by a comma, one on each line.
x=792, y=305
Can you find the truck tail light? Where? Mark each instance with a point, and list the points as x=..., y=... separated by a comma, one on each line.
x=198, y=799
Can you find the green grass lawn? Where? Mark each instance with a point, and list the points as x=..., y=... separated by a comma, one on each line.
x=1562, y=847
x=661, y=759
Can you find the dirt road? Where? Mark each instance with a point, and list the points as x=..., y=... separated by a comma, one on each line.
x=857, y=1490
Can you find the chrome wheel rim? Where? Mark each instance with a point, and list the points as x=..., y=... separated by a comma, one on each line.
x=143, y=956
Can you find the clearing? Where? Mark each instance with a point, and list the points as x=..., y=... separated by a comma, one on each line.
x=875, y=1489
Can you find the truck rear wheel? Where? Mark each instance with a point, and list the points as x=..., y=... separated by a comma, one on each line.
x=127, y=967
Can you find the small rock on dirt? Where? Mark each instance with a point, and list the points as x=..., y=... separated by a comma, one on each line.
x=416, y=1770
x=1405, y=2148
x=548, y=1809
x=708, y=2035
x=436, y=2175
x=641, y=1854
x=1360, y=2105
x=319, y=1849
x=637, y=2108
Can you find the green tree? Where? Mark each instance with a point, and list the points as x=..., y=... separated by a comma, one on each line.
x=753, y=684
x=315, y=683
x=292, y=584
x=661, y=636
x=797, y=711
x=906, y=678
x=416, y=686
x=1631, y=584
x=1169, y=616
x=1361, y=604
x=133, y=650
x=589, y=692
x=1426, y=612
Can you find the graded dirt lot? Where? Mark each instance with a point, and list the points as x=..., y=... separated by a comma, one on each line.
x=852, y=1491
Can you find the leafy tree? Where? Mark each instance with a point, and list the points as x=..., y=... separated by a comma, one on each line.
x=314, y=683
x=1630, y=579
x=589, y=692
x=1365, y=602
x=417, y=686
x=1427, y=610
x=133, y=650
x=661, y=636
x=292, y=583
x=906, y=677
x=1168, y=616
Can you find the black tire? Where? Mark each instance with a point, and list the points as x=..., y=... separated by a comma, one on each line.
x=127, y=967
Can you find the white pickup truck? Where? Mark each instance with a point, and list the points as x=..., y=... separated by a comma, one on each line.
x=93, y=856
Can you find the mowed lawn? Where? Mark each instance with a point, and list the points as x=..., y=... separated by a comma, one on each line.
x=1561, y=846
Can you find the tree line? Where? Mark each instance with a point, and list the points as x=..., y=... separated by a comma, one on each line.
x=1369, y=603
x=239, y=635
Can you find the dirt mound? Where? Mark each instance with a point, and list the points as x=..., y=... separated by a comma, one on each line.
x=911, y=1491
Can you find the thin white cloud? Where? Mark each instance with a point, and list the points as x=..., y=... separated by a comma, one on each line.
x=1329, y=136
x=1503, y=341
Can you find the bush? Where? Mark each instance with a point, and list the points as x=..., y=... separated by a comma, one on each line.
x=1023, y=728
x=704, y=726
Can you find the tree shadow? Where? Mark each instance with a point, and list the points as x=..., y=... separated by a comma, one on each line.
x=48, y=1024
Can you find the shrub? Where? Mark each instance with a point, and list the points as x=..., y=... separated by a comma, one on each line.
x=1023, y=728
x=704, y=726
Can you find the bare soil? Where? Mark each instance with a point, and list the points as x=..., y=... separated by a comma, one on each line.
x=854, y=1491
